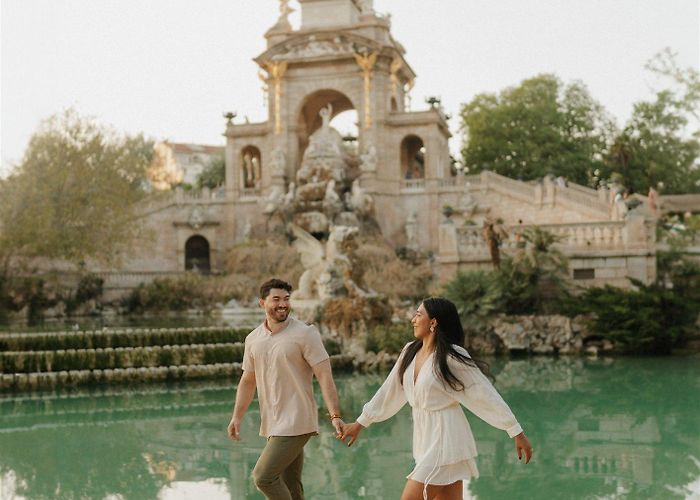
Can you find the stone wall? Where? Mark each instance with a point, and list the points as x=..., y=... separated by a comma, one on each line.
x=551, y=334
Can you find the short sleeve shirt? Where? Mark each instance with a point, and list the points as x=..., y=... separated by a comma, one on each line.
x=282, y=364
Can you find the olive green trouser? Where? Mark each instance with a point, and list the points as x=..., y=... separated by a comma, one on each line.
x=278, y=471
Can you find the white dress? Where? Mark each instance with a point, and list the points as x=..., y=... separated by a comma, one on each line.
x=443, y=444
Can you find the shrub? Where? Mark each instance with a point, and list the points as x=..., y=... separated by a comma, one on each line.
x=477, y=294
x=390, y=338
x=47, y=341
x=649, y=320
x=343, y=313
x=391, y=276
x=249, y=264
x=191, y=290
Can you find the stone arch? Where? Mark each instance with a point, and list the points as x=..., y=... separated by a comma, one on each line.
x=251, y=166
x=308, y=113
x=412, y=157
x=197, y=254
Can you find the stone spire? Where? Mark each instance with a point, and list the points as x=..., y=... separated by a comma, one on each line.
x=327, y=13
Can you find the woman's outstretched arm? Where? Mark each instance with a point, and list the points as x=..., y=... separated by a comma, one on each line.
x=386, y=403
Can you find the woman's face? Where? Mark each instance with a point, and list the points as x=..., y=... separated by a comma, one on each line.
x=421, y=323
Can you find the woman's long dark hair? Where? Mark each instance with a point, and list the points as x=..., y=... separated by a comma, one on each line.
x=448, y=331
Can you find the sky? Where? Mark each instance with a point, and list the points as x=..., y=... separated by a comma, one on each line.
x=171, y=68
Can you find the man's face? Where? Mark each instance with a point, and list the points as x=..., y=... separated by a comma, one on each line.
x=276, y=305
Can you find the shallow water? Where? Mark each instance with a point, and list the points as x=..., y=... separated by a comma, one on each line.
x=622, y=428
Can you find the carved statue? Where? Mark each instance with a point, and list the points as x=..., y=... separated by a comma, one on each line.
x=248, y=175
x=285, y=10
x=325, y=114
x=247, y=231
x=361, y=202
x=366, y=6
x=396, y=65
x=369, y=159
x=411, y=228
x=332, y=204
x=278, y=163
x=273, y=201
x=328, y=270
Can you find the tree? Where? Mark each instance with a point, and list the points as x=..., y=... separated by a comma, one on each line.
x=537, y=128
x=214, y=174
x=656, y=147
x=74, y=195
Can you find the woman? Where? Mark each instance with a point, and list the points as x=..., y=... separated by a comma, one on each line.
x=434, y=374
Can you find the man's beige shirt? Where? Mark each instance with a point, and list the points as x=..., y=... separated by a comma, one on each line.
x=282, y=364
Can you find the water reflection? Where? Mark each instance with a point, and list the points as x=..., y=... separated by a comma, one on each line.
x=624, y=428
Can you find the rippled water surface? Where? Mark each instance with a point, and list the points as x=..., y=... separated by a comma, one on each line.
x=622, y=428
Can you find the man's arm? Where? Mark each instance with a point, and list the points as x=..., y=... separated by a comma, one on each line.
x=323, y=373
x=244, y=396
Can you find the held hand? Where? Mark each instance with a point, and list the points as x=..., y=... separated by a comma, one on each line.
x=234, y=429
x=351, y=431
x=338, y=425
x=522, y=445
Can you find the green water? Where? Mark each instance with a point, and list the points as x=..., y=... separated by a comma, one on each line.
x=622, y=428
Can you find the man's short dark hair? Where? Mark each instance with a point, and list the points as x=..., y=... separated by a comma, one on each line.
x=274, y=283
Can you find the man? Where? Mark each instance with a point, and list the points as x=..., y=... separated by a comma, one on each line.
x=280, y=359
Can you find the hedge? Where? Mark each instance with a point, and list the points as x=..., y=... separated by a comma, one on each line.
x=52, y=341
x=120, y=357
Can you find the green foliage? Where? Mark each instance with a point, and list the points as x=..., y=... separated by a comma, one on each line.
x=89, y=288
x=477, y=294
x=537, y=128
x=531, y=281
x=656, y=147
x=34, y=294
x=389, y=338
x=649, y=320
x=129, y=357
x=214, y=173
x=188, y=291
x=103, y=339
x=74, y=194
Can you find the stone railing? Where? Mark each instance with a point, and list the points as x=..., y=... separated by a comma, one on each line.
x=413, y=184
x=500, y=182
x=250, y=192
x=582, y=196
x=126, y=279
x=448, y=182
x=200, y=196
x=572, y=237
x=545, y=192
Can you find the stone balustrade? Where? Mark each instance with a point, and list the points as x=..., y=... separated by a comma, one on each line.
x=413, y=184
x=577, y=236
x=250, y=192
x=126, y=279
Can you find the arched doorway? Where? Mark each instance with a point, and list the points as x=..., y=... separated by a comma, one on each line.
x=412, y=157
x=197, y=254
x=310, y=120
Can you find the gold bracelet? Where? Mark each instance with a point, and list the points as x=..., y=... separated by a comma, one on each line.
x=335, y=415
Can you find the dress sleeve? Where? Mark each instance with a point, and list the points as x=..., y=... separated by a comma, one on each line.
x=388, y=400
x=481, y=398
